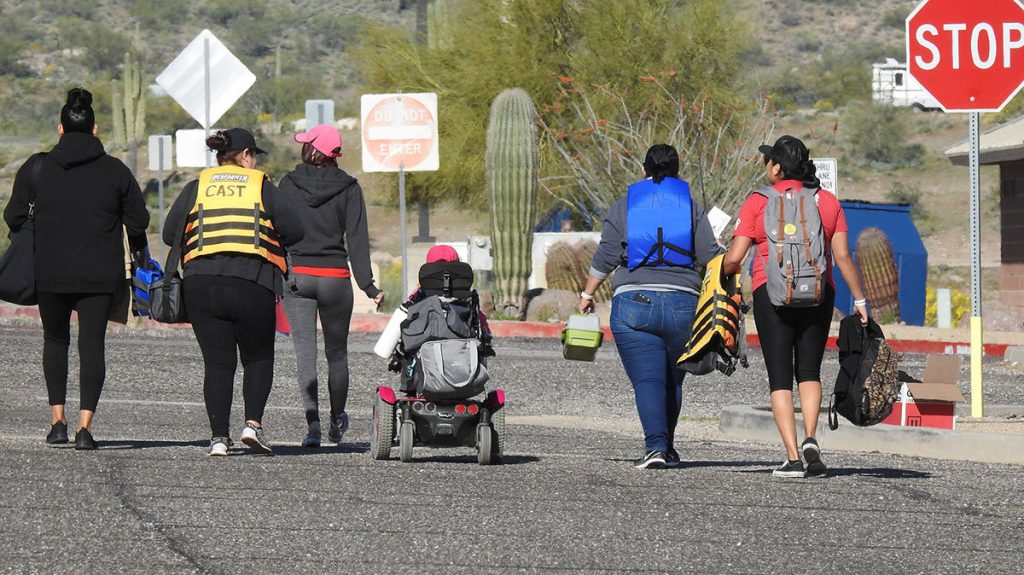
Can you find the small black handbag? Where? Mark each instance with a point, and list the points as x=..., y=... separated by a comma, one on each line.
x=18, y=264
x=167, y=294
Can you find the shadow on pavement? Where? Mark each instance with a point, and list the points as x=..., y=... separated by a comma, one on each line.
x=324, y=449
x=149, y=443
x=879, y=472
x=505, y=459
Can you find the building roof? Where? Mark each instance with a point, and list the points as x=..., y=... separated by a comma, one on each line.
x=1002, y=143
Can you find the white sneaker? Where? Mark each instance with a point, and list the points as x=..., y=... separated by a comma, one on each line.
x=219, y=446
x=256, y=439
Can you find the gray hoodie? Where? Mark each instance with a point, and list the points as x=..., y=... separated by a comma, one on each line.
x=331, y=206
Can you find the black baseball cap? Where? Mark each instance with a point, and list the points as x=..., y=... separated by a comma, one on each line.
x=241, y=139
x=788, y=152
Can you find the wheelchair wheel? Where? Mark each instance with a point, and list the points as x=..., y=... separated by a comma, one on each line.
x=383, y=429
x=405, y=440
x=484, y=445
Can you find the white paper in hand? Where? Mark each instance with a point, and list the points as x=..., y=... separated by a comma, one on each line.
x=718, y=220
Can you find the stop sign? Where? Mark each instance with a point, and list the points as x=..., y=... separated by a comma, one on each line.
x=968, y=55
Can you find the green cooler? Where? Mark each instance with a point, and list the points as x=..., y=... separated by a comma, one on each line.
x=581, y=337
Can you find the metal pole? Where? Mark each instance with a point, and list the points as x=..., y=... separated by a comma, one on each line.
x=160, y=193
x=206, y=86
x=403, y=231
x=977, y=341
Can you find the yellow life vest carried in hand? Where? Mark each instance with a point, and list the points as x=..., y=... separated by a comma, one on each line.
x=717, y=338
x=228, y=217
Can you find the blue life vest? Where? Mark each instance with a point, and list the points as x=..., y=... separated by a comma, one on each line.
x=659, y=224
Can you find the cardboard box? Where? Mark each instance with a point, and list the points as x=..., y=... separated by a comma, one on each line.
x=932, y=401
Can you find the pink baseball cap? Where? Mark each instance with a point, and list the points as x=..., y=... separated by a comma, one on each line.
x=325, y=138
x=442, y=253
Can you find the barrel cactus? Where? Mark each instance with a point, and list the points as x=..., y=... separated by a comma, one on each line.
x=878, y=271
x=513, y=160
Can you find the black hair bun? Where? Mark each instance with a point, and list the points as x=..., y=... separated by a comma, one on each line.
x=79, y=98
x=218, y=141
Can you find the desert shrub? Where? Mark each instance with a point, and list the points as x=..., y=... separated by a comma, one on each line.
x=910, y=194
x=877, y=135
x=390, y=282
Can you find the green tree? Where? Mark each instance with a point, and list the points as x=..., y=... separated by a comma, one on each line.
x=692, y=46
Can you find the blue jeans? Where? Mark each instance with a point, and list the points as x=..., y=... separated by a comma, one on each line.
x=651, y=328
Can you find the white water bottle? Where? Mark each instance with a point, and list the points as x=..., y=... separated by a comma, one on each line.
x=392, y=333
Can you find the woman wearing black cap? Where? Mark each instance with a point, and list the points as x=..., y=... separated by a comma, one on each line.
x=236, y=225
x=653, y=240
x=83, y=197
x=793, y=338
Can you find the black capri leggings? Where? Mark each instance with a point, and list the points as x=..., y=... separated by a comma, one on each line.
x=792, y=338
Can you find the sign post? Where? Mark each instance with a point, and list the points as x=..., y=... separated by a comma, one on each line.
x=400, y=135
x=319, y=112
x=160, y=158
x=970, y=57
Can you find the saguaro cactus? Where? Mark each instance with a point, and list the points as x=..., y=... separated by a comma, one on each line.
x=878, y=270
x=512, y=159
x=128, y=106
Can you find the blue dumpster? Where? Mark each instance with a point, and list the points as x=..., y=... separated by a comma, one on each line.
x=908, y=251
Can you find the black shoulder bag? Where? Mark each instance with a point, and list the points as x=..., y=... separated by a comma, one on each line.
x=167, y=294
x=18, y=264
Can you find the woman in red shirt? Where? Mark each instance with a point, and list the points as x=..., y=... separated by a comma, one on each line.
x=793, y=338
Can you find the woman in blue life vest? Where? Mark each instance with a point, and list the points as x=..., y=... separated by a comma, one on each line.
x=793, y=338
x=651, y=242
x=236, y=226
x=331, y=205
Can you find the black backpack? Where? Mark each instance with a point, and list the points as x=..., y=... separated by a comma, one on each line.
x=868, y=384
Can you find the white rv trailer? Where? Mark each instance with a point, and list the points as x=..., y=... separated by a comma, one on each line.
x=891, y=84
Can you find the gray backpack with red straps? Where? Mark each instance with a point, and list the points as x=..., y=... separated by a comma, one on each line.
x=796, y=261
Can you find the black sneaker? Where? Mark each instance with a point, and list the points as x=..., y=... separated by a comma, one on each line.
x=652, y=460
x=812, y=455
x=58, y=434
x=672, y=460
x=790, y=469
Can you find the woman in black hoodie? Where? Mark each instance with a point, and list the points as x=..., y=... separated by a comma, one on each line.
x=83, y=198
x=330, y=204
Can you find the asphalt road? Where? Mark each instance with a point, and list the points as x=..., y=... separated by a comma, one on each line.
x=565, y=501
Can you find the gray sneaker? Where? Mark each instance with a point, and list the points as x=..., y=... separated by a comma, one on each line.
x=256, y=439
x=312, y=438
x=339, y=425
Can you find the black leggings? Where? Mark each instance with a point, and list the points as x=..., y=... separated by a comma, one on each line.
x=230, y=318
x=792, y=338
x=55, y=312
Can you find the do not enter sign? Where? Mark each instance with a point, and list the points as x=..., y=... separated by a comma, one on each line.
x=968, y=55
x=399, y=131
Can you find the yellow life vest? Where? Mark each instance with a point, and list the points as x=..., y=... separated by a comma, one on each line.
x=716, y=341
x=228, y=217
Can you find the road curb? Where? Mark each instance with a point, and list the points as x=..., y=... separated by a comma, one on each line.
x=756, y=424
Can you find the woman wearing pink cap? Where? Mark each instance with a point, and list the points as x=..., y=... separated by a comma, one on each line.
x=330, y=204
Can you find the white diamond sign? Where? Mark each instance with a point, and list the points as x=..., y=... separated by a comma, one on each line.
x=184, y=79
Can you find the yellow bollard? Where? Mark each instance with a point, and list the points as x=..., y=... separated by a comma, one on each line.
x=977, y=353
